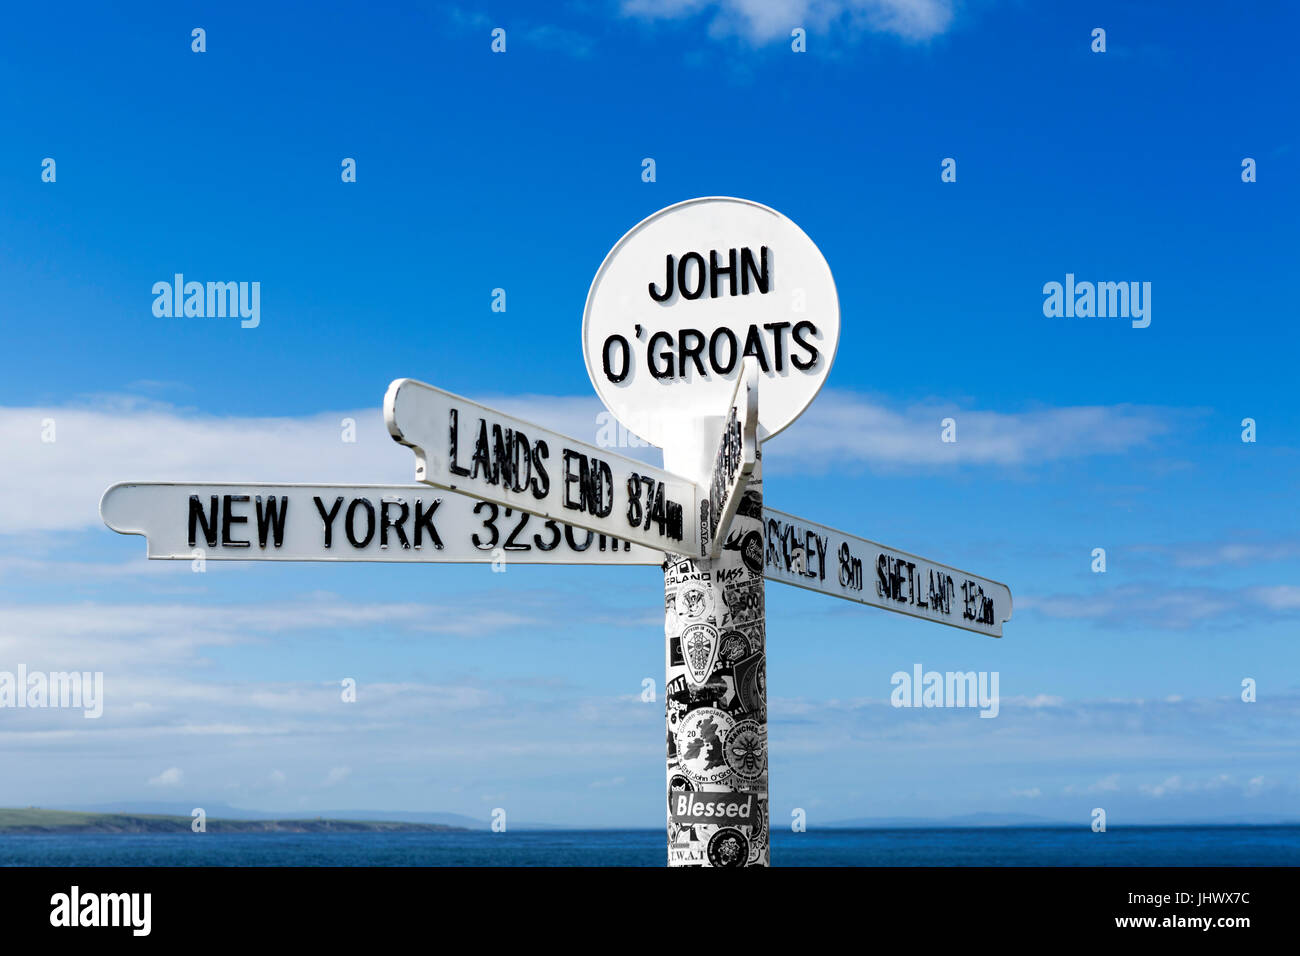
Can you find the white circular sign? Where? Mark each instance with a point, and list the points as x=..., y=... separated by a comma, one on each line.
x=691, y=291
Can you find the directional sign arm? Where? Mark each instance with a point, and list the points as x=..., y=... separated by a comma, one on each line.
x=733, y=463
x=819, y=558
x=476, y=450
x=253, y=521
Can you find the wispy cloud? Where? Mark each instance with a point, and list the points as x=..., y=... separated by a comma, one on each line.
x=1166, y=606
x=762, y=21
x=56, y=485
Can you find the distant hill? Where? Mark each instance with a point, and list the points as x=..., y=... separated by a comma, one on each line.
x=215, y=808
x=34, y=820
x=966, y=820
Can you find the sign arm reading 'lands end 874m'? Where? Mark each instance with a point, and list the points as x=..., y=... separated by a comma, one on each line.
x=467, y=447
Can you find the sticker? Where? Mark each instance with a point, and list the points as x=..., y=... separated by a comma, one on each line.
x=758, y=834
x=700, y=650
x=678, y=783
x=733, y=648
x=700, y=737
x=751, y=685
x=744, y=600
x=728, y=847
x=725, y=807
x=751, y=552
x=746, y=750
x=694, y=603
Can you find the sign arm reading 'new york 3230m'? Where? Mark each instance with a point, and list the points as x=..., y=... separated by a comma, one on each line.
x=252, y=521
x=464, y=446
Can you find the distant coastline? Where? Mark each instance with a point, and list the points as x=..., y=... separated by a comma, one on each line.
x=33, y=820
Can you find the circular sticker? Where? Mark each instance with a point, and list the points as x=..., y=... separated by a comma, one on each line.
x=751, y=552
x=745, y=748
x=689, y=293
x=694, y=603
x=734, y=647
x=700, y=737
x=728, y=847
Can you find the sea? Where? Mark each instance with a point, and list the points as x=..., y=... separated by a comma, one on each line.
x=1163, y=846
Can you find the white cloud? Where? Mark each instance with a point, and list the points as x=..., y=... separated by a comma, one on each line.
x=337, y=775
x=1167, y=607
x=1283, y=597
x=847, y=427
x=171, y=777
x=57, y=486
x=760, y=21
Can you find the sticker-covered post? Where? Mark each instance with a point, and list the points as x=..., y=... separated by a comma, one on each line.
x=710, y=327
x=715, y=695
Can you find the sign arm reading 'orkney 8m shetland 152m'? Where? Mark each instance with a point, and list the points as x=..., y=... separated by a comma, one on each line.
x=816, y=557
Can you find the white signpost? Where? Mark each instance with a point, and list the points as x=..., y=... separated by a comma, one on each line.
x=708, y=329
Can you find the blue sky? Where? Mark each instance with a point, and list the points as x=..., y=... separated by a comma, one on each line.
x=519, y=171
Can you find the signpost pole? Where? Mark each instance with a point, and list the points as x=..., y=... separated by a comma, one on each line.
x=715, y=680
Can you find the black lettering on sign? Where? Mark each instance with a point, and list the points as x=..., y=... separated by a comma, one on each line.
x=594, y=481
x=328, y=517
x=761, y=278
x=228, y=517
x=271, y=520
x=698, y=291
x=850, y=569
x=207, y=522
x=349, y=523
x=800, y=330
x=511, y=544
x=490, y=523
x=692, y=351
x=778, y=343
x=773, y=536
x=754, y=347
x=386, y=523
x=723, y=334
x=541, y=483
x=714, y=271
x=625, y=362
x=554, y=529
x=665, y=368
x=482, y=460
x=675, y=279
x=424, y=522
x=646, y=505
x=454, y=468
